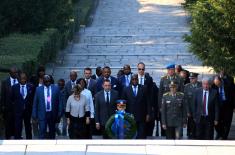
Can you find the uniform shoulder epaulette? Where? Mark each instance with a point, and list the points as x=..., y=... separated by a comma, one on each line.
x=180, y=93
x=164, y=76
x=166, y=94
x=187, y=84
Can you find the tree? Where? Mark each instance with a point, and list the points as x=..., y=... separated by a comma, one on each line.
x=213, y=33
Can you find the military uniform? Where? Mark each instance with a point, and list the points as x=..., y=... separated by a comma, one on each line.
x=164, y=85
x=173, y=114
x=188, y=92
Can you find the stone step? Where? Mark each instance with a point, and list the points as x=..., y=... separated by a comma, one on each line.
x=130, y=40
x=155, y=29
x=126, y=33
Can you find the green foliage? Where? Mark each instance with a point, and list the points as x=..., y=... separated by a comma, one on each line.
x=35, y=49
x=213, y=33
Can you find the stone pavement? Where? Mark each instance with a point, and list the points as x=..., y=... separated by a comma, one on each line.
x=117, y=147
x=127, y=32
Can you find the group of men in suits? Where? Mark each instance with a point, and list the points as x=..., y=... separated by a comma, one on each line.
x=203, y=105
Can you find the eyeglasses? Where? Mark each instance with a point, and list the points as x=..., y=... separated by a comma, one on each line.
x=141, y=69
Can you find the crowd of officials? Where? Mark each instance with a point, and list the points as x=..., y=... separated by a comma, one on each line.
x=80, y=107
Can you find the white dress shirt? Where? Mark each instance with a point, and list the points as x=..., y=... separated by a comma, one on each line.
x=133, y=88
x=207, y=96
x=25, y=90
x=49, y=99
x=105, y=95
x=12, y=81
x=88, y=95
x=141, y=78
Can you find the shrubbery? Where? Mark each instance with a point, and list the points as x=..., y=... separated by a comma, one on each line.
x=31, y=41
x=213, y=33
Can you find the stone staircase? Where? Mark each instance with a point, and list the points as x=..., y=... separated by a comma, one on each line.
x=127, y=32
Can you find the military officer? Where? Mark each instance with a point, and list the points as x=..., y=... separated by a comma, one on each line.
x=188, y=92
x=173, y=112
x=164, y=86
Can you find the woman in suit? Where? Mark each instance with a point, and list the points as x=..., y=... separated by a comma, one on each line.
x=77, y=113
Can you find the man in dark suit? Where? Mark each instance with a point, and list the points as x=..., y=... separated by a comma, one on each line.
x=22, y=99
x=47, y=107
x=70, y=84
x=226, y=98
x=6, y=102
x=125, y=80
x=91, y=83
x=146, y=81
x=107, y=75
x=98, y=73
x=105, y=101
x=206, y=112
x=138, y=105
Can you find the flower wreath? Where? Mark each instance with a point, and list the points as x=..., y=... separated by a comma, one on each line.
x=129, y=126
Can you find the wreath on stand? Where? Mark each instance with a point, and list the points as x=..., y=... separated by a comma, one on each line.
x=121, y=126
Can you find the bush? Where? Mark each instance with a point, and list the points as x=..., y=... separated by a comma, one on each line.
x=26, y=51
x=213, y=33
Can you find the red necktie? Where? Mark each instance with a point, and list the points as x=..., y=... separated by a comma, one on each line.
x=204, y=104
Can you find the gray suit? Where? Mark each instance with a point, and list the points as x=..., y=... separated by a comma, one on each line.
x=103, y=111
x=68, y=90
x=92, y=87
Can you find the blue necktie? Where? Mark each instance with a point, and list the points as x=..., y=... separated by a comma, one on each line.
x=135, y=90
x=48, y=96
x=22, y=91
x=127, y=81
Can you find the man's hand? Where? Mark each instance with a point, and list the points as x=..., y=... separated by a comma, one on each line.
x=189, y=115
x=147, y=118
x=216, y=122
x=97, y=125
x=164, y=126
x=87, y=120
x=68, y=121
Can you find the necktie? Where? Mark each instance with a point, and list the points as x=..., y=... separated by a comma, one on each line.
x=221, y=94
x=48, y=99
x=204, y=104
x=107, y=97
x=87, y=83
x=141, y=80
x=73, y=84
x=127, y=81
x=22, y=91
x=14, y=81
x=135, y=91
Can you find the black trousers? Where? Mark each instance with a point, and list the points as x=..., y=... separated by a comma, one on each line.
x=191, y=128
x=149, y=128
x=89, y=128
x=173, y=132
x=141, y=130
x=205, y=129
x=9, y=123
x=225, y=120
x=77, y=128
x=19, y=119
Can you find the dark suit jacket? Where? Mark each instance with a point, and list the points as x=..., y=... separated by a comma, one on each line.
x=122, y=82
x=114, y=83
x=92, y=87
x=39, y=109
x=68, y=89
x=213, y=105
x=138, y=105
x=21, y=104
x=102, y=111
x=6, y=102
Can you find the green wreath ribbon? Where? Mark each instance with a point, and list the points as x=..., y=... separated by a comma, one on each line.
x=131, y=134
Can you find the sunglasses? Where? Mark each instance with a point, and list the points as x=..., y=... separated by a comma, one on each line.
x=141, y=69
